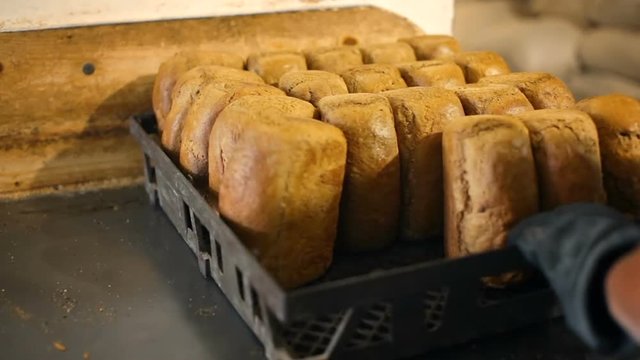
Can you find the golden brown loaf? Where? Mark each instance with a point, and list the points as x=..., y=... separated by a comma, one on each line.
x=240, y=115
x=371, y=196
x=479, y=64
x=617, y=118
x=174, y=67
x=390, y=53
x=419, y=115
x=428, y=47
x=334, y=59
x=489, y=181
x=271, y=66
x=567, y=156
x=373, y=78
x=281, y=194
x=217, y=73
x=312, y=85
x=543, y=90
x=495, y=99
x=202, y=114
x=431, y=73
x=184, y=92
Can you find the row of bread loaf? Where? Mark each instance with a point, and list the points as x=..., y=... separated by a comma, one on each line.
x=192, y=79
x=282, y=178
x=422, y=61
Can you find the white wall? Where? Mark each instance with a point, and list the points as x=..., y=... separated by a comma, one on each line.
x=433, y=16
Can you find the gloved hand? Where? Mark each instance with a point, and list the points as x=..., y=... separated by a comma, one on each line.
x=574, y=246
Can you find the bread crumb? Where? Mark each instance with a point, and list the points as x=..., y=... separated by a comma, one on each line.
x=22, y=314
x=59, y=346
x=86, y=355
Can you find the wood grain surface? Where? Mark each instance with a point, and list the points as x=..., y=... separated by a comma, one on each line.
x=65, y=94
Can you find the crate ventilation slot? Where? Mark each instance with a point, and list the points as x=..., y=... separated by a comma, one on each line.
x=311, y=337
x=435, y=302
x=374, y=327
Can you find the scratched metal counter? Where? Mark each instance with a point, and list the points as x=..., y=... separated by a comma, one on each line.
x=104, y=275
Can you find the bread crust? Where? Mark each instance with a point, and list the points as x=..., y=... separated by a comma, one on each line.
x=371, y=196
x=617, y=118
x=241, y=115
x=567, y=156
x=373, y=78
x=333, y=59
x=489, y=181
x=187, y=89
x=431, y=73
x=543, y=90
x=429, y=47
x=272, y=65
x=281, y=194
x=492, y=99
x=479, y=64
x=312, y=85
x=420, y=114
x=202, y=114
x=389, y=53
x=171, y=69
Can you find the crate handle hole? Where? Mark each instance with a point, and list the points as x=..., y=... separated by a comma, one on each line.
x=240, y=282
x=187, y=216
x=219, y=256
x=151, y=170
x=203, y=235
x=255, y=304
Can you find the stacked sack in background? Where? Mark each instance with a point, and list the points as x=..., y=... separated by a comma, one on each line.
x=593, y=45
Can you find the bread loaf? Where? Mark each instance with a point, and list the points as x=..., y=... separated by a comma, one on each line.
x=431, y=73
x=489, y=182
x=242, y=114
x=496, y=99
x=371, y=196
x=419, y=116
x=334, y=59
x=567, y=156
x=390, y=53
x=185, y=90
x=217, y=73
x=479, y=64
x=174, y=67
x=617, y=118
x=272, y=65
x=373, y=78
x=281, y=194
x=543, y=90
x=428, y=47
x=312, y=85
x=201, y=116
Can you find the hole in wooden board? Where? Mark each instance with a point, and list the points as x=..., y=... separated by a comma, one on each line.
x=88, y=68
x=349, y=40
x=1, y=67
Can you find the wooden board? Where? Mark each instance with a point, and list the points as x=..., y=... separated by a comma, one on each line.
x=62, y=125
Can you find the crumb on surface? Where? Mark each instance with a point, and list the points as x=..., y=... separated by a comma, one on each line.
x=59, y=346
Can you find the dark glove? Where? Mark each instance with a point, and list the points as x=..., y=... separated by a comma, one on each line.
x=574, y=246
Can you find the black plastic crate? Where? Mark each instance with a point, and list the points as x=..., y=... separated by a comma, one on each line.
x=390, y=304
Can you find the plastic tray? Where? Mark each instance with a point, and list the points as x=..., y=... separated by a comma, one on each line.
x=390, y=304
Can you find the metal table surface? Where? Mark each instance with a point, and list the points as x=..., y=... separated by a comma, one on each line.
x=103, y=275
